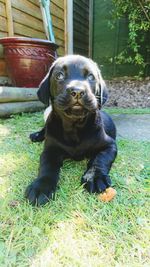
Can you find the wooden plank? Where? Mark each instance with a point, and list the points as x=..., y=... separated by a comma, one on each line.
x=59, y=3
x=65, y=27
x=6, y=109
x=79, y=27
x=81, y=5
x=81, y=8
x=79, y=35
x=28, y=32
x=35, y=2
x=9, y=18
x=57, y=22
x=80, y=20
x=61, y=51
x=81, y=12
x=56, y=11
x=91, y=3
x=2, y=10
x=60, y=42
x=80, y=51
x=27, y=20
x=78, y=44
x=2, y=68
x=3, y=23
x=28, y=8
x=16, y=94
x=59, y=34
x=85, y=2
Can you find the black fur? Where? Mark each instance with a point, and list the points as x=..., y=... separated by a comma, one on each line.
x=38, y=136
x=75, y=128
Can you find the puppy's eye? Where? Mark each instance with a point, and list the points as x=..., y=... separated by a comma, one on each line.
x=91, y=77
x=60, y=76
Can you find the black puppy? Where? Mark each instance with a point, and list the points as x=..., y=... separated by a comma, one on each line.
x=75, y=128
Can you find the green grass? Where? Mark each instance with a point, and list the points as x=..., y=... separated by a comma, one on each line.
x=75, y=230
x=127, y=110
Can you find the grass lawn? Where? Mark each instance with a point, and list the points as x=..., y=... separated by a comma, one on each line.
x=127, y=110
x=75, y=230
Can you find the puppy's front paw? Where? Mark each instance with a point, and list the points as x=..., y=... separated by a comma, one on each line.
x=88, y=180
x=36, y=137
x=94, y=181
x=38, y=193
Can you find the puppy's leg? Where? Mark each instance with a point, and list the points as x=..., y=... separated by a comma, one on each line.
x=42, y=189
x=38, y=136
x=96, y=178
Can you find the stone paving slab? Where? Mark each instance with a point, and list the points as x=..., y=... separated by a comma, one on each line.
x=135, y=127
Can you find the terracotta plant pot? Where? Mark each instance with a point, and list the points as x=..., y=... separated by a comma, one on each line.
x=28, y=59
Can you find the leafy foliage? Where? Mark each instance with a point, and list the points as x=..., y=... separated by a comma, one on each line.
x=137, y=13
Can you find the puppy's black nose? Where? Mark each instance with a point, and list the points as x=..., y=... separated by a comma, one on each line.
x=76, y=92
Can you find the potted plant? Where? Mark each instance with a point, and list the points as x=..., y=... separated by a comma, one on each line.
x=28, y=59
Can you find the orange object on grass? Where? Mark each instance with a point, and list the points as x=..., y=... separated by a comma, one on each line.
x=107, y=195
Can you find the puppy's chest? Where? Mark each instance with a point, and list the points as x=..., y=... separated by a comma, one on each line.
x=81, y=150
x=78, y=145
x=73, y=137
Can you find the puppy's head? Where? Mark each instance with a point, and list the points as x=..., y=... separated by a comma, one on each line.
x=74, y=86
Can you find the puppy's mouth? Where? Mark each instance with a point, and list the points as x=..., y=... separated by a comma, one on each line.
x=76, y=110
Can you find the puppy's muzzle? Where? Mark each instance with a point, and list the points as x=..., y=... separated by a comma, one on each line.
x=76, y=92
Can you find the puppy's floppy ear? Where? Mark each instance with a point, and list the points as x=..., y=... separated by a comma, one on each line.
x=44, y=88
x=101, y=92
